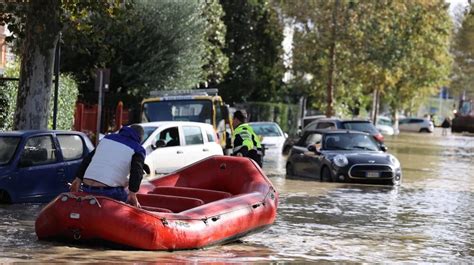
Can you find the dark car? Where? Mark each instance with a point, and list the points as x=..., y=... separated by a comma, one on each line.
x=36, y=166
x=355, y=125
x=336, y=123
x=343, y=156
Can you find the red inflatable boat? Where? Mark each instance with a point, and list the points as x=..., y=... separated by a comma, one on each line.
x=213, y=201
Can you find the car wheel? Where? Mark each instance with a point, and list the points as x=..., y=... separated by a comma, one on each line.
x=326, y=175
x=289, y=169
x=424, y=130
x=4, y=197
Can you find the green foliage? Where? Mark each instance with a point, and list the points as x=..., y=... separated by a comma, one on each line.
x=67, y=97
x=253, y=45
x=217, y=63
x=148, y=45
x=66, y=100
x=8, y=93
x=397, y=47
x=463, y=50
x=286, y=115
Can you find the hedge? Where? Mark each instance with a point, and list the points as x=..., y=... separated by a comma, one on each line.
x=68, y=92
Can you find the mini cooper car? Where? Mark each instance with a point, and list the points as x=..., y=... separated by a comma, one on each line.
x=343, y=156
x=36, y=166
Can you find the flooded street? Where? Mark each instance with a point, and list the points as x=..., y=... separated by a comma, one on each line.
x=429, y=218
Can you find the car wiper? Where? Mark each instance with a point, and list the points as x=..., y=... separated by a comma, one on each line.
x=362, y=147
x=338, y=148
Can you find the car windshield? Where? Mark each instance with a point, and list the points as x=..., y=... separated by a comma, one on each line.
x=147, y=132
x=268, y=129
x=178, y=110
x=350, y=141
x=359, y=126
x=9, y=145
x=382, y=121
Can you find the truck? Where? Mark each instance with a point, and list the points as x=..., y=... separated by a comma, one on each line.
x=463, y=120
x=198, y=105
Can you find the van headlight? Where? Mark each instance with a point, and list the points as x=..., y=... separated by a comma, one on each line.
x=340, y=160
x=394, y=160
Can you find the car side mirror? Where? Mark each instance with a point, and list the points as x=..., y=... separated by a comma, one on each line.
x=286, y=135
x=312, y=148
x=383, y=147
x=158, y=144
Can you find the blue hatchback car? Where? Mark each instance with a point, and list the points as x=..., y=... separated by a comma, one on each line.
x=36, y=166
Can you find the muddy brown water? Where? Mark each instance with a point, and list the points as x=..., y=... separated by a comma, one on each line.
x=429, y=218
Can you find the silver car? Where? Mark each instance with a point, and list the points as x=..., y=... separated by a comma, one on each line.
x=415, y=125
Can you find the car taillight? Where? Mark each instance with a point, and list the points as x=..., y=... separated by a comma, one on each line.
x=379, y=137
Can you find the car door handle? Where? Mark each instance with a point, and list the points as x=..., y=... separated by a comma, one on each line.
x=205, y=149
x=60, y=170
x=179, y=152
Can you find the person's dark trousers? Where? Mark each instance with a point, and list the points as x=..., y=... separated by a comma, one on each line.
x=117, y=193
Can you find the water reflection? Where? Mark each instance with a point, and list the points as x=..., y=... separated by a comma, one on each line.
x=428, y=219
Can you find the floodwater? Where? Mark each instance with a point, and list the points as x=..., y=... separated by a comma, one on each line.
x=428, y=219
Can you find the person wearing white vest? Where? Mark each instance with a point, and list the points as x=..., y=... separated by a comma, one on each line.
x=116, y=162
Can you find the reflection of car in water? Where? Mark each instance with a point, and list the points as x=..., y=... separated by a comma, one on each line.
x=463, y=120
x=272, y=136
x=173, y=145
x=343, y=156
x=200, y=105
x=36, y=166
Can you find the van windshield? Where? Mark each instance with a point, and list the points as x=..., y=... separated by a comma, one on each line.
x=178, y=110
x=9, y=145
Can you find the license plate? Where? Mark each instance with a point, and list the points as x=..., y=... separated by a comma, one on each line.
x=373, y=174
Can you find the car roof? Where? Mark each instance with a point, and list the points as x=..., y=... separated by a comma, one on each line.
x=338, y=131
x=262, y=122
x=33, y=132
x=164, y=123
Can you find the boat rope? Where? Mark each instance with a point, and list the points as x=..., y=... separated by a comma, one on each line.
x=92, y=199
x=216, y=217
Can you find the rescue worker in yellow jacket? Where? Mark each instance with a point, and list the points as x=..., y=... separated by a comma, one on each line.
x=246, y=142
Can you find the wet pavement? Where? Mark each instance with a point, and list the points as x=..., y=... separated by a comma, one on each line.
x=427, y=219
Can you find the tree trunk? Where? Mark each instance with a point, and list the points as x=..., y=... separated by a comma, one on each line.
x=37, y=55
x=332, y=64
x=375, y=106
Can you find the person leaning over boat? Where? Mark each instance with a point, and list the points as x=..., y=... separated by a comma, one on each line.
x=106, y=169
x=246, y=142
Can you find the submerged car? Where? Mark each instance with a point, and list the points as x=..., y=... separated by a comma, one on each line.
x=343, y=156
x=272, y=136
x=416, y=125
x=384, y=125
x=356, y=125
x=171, y=145
x=36, y=166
